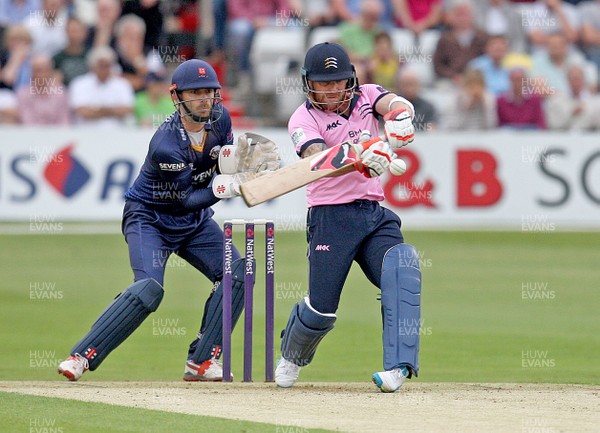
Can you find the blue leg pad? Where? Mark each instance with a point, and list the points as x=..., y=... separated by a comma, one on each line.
x=210, y=338
x=119, y=320
x=305, y=329
x=401, y=308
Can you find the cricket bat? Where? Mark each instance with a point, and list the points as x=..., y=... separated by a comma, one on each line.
x=335, y=161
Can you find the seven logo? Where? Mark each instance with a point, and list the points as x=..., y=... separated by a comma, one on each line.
x=65, y=173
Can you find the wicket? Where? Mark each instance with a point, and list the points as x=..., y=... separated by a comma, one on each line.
x=249, y=295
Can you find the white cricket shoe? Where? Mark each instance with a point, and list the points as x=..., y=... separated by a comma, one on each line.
x=210, y=370
x=286, y=373
x=390, y=381
x=73, y=367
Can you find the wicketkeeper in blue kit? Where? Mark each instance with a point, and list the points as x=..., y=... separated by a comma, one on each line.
x=191, y=164
x=345, y=222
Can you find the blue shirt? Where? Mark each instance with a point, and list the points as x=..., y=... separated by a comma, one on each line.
x=176, y=176
x=12, y=13
x=496, y=78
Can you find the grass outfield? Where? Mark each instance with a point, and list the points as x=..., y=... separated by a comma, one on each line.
x=497, y=307
x=61, y=416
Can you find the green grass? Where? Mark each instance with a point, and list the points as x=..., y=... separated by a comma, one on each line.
x=60, y=415
x=476, y=325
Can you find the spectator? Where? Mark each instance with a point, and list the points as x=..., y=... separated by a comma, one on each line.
x=47, y=27
x=409, y=86
x=245, y=18
x=85, y=11
x=102, y=34
x=384, y=63
x=547, y=17
x=473, y=107
x=358, y=36
x=346, y=10
x=13, y=12
x=550, y=66
x=578, y=109
x=15, y=59
x=181, y=28
x=460, y=44
x=100, y=97
x=418, y=15
x=149, y=11
x=320, y=13
x=71, y=61
x=219, y=10
x=590, y=30
x=153, y=105
x=498, y=17
x=349, y=10
x=490, y=64
x=9, y=114
x=521, y=106
x=134, y=61
x=45, y=100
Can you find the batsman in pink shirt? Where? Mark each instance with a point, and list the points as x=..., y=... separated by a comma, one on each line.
x=346, y=222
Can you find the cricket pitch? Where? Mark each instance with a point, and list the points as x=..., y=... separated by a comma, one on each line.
x=354, y=407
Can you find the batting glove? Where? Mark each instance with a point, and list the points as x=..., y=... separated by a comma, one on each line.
x=398, y=127
x=376, y=159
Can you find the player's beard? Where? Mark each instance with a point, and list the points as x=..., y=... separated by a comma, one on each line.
x=339, y=105
x=200, y=115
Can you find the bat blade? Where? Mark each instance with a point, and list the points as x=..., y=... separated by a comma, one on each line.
x=333, y=162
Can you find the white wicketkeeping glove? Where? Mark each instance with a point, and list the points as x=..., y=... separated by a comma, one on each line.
x=256, y=153
x=228, y=185
x=398, y=127
x=376, y=159
x=253, y=153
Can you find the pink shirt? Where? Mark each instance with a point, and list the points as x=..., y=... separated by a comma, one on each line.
x=309, y=125
x=46, y=106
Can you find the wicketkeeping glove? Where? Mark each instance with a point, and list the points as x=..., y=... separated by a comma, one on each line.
x=376, y=159
x=398, y=127
x=228, y=185
x=253, y=153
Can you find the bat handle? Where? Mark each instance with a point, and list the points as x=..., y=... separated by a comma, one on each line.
x=363, y=144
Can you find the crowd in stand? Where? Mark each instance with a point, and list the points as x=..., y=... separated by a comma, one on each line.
x=496, y=63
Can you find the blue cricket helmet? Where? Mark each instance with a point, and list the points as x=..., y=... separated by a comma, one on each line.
x=194, y=74
x=327, y=62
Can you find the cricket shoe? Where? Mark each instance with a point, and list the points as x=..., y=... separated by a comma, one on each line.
x=73, y=367
x=207, y=371
x=286, y=373
x=390, y=381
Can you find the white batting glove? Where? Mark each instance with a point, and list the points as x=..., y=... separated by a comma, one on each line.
x=376, y=159
x=398, y=127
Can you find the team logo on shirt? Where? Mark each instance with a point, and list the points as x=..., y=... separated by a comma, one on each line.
x=214, y=153
x=331, y=62
x=176, y=166
x=334, y=125
x=298, y=136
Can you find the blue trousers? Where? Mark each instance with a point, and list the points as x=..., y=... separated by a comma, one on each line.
x=361, y=231
x=152, y=236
